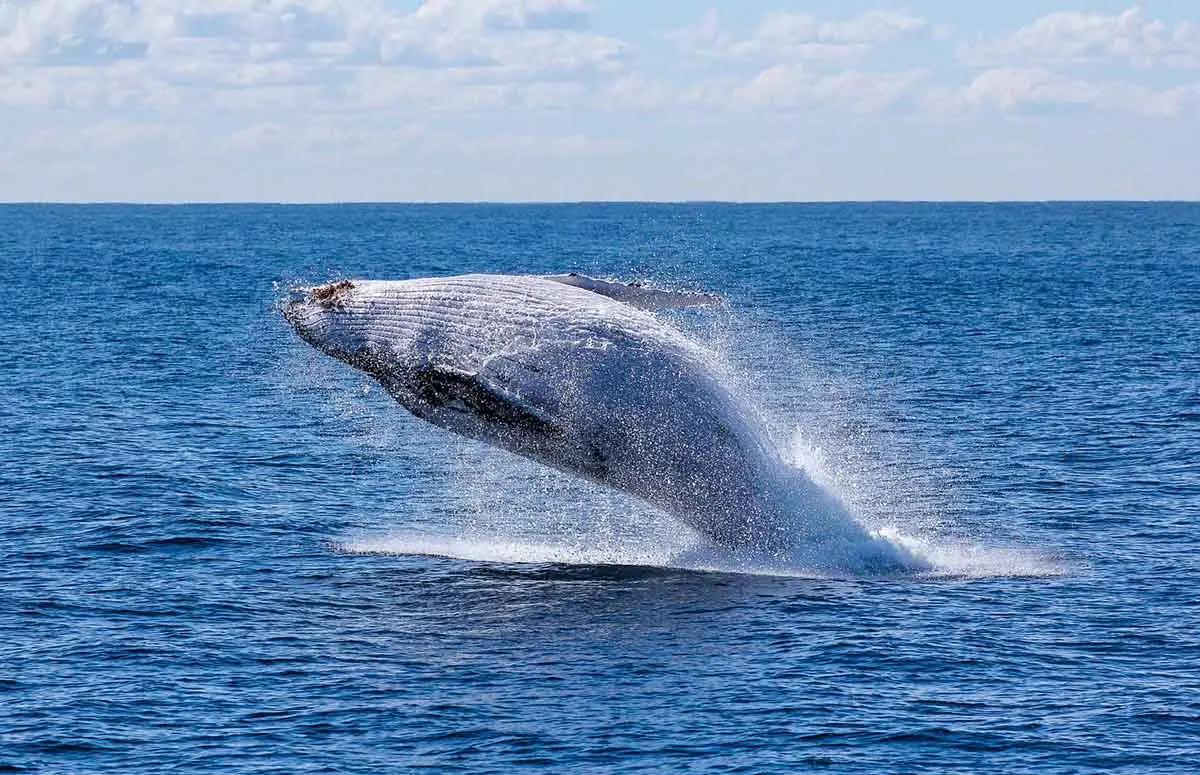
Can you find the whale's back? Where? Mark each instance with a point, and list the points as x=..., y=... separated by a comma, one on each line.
x=475, y=317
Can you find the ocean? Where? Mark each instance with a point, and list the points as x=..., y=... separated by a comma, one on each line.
x=223, y=551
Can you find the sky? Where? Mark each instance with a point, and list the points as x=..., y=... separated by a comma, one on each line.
x=568, y=100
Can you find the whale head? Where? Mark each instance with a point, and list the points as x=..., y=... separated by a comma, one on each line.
x=334, y=319
x=389, y=328
x=439, y=348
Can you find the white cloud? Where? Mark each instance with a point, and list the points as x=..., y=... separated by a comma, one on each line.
x=272, y=48
x=1076, y=37
x=1016, y=89
x=531, y=39
x=1066, y=59
x=793, y=86
x=334, y=138
x=117, y=86
x=535, y=146
x=791, y=36
x=70, y=32
x=286, y=91
x=108, y=137
x=803, y=62
x=506, y=15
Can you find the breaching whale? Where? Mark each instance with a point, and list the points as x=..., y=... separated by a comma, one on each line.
x=581, y=375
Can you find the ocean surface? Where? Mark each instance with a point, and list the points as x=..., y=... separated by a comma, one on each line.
x=222, y=551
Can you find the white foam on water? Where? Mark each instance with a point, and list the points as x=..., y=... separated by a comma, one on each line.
x=509, y=551
x=947, y=562
x=906, y=514
x=975, y=561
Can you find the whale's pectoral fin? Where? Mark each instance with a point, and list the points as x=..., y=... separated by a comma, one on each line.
x=638, y=295
x=444, y=386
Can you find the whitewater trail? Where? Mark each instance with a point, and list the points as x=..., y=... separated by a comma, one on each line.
x=945, y=562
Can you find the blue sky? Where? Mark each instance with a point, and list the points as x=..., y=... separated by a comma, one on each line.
x=333, y=100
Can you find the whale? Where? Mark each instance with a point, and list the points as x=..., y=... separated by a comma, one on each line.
x=588, y=377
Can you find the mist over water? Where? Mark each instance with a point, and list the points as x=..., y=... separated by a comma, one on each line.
x=223, y=551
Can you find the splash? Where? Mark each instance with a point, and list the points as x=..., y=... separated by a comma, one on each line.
x=510, y=511
x=845, y=512
x=507, y=510
x=943, y=562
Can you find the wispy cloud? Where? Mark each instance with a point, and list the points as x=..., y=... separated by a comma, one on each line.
x=791, y=36
x=1023, y=89
x=1073, y=37
x=205, y=46
x=330, y=84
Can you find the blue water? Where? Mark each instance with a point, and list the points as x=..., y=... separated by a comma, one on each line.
x=216, y=542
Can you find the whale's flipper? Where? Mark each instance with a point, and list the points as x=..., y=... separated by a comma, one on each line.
x=637, y=295
x=444, y=386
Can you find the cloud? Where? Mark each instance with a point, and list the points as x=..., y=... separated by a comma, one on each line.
x=81, y=32
x=511, y=15
x=275, y=89
x=306, y=48
x=1016, y=89
x=108, y=137
x=792, y=36
x=530, y=39
x=534, y=146
x=346, y=142
x=1066, y=60
x=793, y=86
x=333, y=138
x=803, y=62
x=1074, y=37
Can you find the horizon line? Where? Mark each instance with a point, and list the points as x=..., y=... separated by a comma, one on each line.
x=527, y=202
